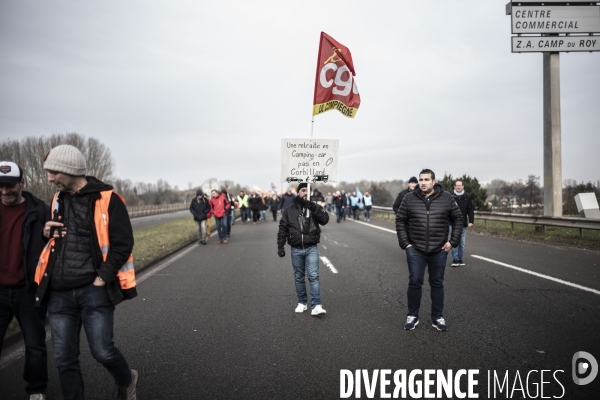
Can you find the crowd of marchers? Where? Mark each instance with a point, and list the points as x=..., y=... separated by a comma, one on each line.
x=73, y=260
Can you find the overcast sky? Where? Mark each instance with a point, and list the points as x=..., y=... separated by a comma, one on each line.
x=188, y=90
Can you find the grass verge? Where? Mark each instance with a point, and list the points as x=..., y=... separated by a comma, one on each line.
x=154, y=242
x=555, y=235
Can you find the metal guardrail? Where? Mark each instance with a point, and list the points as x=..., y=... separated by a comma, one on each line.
x=538, y=220
x=139, y=211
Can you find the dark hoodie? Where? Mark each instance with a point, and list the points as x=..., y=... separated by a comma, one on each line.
x=423, y=221
x=79, y=257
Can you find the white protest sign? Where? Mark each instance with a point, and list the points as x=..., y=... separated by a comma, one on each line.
x=313, y=160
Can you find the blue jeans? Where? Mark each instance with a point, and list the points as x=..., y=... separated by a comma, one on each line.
x=69, y=310
x=245, y=214
x=457, y=252
x=417, y=262
x=222, y=227
x=368, y=212
x=306, y=262
x=339, y=214
x=17, y=301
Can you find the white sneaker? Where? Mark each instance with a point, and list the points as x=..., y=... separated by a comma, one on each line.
x=318, y=310
x=301, y=308
x=37, y=396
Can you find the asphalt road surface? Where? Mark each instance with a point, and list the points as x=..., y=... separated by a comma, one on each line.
x=218, y=321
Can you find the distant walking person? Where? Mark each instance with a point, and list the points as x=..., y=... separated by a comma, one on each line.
x=263, y=206
x=200, y=208
x=255, y=204
x=329, y=202
x=274, y=203
x=412, y=183
x=422, y=227
x=230, y=213
x=345, y=204
x=299, y=226
x=287, y=200
x=85, y=270
x=22, y=218
x=368, y=201
x=244, y=206
x=466, y=208
x=339, y=202
x=355, y=203
x=219, y=206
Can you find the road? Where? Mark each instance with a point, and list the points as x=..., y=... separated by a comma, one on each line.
x=218, y=322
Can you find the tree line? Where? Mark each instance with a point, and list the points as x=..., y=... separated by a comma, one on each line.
x=498, y=195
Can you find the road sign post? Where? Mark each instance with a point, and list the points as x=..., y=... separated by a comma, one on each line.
x=552, y=18
x=552, y=137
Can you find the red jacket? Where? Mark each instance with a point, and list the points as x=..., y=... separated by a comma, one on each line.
x=219, y=205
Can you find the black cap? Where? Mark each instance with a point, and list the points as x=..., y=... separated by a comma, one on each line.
x=413, y=180
x=302, y=186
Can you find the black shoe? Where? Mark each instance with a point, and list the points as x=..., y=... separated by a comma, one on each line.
x=461, y=262
x=455, y=263
x=411, y=323
x=440, y=324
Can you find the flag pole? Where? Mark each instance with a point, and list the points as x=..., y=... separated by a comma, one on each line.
x=312, y=127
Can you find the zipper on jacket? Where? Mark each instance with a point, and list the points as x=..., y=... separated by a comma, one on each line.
x=427, y=234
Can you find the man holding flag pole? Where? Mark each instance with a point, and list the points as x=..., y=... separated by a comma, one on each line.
x=300, y=223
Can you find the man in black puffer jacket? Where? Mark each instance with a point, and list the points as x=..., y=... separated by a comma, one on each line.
x=299, y=226
x=422, y=226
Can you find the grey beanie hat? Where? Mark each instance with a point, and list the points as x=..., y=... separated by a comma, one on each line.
x=66, y=159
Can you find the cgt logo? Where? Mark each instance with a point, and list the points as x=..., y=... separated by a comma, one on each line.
x=584, y=364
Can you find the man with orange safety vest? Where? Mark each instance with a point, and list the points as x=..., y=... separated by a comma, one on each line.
x=85, y=269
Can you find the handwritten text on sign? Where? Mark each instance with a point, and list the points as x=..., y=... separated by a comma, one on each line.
x=309, y=159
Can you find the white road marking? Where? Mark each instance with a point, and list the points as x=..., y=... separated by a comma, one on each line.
x=550, y=278
x=587, y=289
x=165, y=264
x=324, y=247
x=329, y=265
x=373, y=226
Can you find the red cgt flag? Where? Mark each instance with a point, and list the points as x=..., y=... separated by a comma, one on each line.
x=335, y=88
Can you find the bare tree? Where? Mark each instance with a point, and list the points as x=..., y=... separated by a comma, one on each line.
x=29, y=154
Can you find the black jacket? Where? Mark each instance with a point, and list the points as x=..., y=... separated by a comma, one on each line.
x=317, y=197
x=466, y=208
x=398, y=201
x=309, y=233
x=72, y=274
x=424, y=223
x=255, y=203
x=286, y=201
x=37, y=214
x=199, y=209
x=339, y=201
x=274, y=204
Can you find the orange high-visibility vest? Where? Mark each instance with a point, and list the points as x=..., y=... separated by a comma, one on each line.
x=126, y=273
